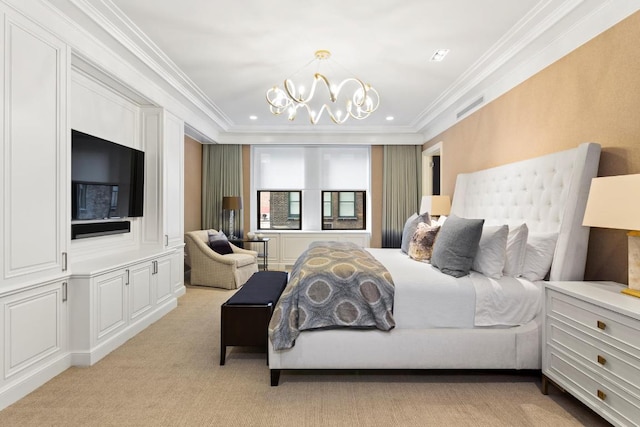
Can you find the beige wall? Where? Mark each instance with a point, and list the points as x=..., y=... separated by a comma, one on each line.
x=192, y=184
x=592, y=94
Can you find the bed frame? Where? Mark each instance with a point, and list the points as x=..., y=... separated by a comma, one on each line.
x=549, y=193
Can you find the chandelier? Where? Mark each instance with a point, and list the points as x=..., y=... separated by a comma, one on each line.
x=359, y=99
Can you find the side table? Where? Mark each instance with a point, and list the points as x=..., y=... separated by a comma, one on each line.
x=265, y=249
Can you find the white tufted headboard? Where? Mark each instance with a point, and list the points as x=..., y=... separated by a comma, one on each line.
x=548, y=193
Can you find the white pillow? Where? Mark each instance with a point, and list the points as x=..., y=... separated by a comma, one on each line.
x=516, y=249
x=539, y=255
x=492, y=252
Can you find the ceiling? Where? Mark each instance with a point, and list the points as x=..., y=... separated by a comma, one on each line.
x=229, y=53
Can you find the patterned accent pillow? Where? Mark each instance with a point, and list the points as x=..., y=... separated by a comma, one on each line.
x=410, y=227
x=219, y=243
x=421, y=244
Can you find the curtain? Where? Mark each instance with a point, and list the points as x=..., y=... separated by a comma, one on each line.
x=402, y=190
x=221, y=176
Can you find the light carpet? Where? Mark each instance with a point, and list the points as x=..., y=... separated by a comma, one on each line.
x=169, y=375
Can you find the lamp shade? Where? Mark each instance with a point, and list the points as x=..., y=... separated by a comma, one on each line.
x=614, y=203
x=231, y=203
x=435, y=205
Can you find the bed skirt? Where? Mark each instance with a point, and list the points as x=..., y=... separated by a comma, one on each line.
x=504, y=348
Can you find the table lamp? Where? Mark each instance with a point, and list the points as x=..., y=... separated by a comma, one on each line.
x=614, y=203
x=435, y=205
x=232, y=204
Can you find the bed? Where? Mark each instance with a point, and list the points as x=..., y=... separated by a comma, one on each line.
x=546, y=193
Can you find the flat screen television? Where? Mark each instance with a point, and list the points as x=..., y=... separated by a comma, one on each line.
x=107, y=179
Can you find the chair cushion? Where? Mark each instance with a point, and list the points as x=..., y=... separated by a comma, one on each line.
x=242, y=259
x=264, y=287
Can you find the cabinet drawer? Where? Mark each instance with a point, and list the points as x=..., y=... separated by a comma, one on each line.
x=612, y=328
x=594, y=390
x=618, y=367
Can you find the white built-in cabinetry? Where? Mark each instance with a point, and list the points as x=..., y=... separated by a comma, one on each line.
x=33, y=181
x=163, y=140
x=591, y=348
x=117, y=297
x=34, y=217
x=61, y=303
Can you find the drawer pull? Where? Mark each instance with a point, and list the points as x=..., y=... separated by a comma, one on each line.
x=602, y=395
x=601, y=360
x=602, y=325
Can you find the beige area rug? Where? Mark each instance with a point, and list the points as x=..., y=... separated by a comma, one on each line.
x=169, y=375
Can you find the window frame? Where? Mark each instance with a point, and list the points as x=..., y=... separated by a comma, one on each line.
x=297, y=218
x=344, y=219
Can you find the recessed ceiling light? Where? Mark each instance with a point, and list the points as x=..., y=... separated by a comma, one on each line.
x=389, y=118
x=439, y=55
x=253, y=117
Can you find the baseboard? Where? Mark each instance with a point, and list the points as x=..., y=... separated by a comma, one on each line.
x=88, y=358
x=18, y=389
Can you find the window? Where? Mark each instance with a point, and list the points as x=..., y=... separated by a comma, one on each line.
x=294, y=204
x=344, y=210
x=303, y=173
x=279, y=210
x=327, y=206
x=347, y=204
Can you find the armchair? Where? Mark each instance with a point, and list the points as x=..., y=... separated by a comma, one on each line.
x=209, y=268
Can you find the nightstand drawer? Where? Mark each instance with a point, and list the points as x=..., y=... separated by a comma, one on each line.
x=594, y=390
x=602, y=324
x=616, y=366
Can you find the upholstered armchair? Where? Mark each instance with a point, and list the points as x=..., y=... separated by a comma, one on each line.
x=209, y=268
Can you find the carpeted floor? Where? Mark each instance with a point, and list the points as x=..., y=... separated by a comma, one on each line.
x=169, y=375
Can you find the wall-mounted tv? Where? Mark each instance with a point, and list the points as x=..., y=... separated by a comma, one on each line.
x=107, y=179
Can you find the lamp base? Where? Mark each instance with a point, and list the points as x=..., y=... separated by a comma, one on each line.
x=633, y=238
x=631, y=292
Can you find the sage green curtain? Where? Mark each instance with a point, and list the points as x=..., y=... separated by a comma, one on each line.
x=221, y=176
x=402, y=190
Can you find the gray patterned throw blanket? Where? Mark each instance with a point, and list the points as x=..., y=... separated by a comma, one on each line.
x=333, y=284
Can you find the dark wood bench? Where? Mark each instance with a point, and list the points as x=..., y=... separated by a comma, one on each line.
x=244, y=318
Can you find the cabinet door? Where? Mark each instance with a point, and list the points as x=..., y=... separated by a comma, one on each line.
x=33, y=182
x=177, y=271
x=140, y=289
x=163, y=275
x=33, y=328
x=173, y=197
x=111, y=303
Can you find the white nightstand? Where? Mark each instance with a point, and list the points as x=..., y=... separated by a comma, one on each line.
x=591, y=347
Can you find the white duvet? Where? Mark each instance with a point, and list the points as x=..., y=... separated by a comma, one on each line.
x=427, y=298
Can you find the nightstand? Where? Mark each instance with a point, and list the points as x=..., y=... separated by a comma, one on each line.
x=591, y=347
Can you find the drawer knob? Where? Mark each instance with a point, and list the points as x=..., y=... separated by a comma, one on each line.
x=602, y=325
x=602, y=395
x=601, y=360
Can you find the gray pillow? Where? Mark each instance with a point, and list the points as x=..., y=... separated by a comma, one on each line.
x=410, y=227
x=457, y=245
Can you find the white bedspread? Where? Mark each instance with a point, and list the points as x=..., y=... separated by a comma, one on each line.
x=427, y=298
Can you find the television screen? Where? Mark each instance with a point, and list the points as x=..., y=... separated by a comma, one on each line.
x=107, y=179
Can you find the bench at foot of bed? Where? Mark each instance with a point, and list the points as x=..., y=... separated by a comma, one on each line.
x=245, y=316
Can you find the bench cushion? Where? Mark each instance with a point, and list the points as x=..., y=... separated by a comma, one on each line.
x=262, y=288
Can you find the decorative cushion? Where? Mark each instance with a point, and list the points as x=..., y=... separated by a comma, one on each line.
x=421, y=245
x=410, y=227
x=219, y=243
x=492, y=251
x=457, y=245
x=516, y=248
x=539, y=255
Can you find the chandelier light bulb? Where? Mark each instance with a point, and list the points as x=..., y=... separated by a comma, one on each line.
x=363, y=101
